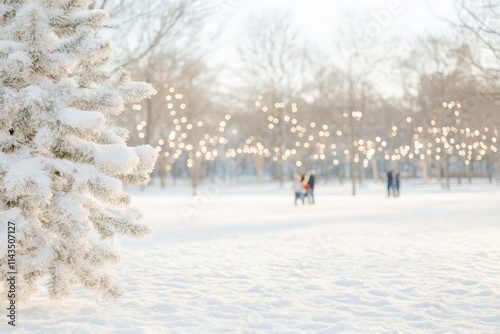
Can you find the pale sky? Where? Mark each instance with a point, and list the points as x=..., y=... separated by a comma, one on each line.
x=319, y=18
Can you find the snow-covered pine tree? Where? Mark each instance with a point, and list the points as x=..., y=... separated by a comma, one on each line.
x=62, y=162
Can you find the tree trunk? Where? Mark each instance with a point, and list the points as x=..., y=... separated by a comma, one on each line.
x=497, y=168
x=459, y=173
x=361, y=171
x=353, y=175
x=438, y=170
x=326, y=174
x=194, y=173
x=489, y=167
x=469, y=172
x=174, y=172
x=425, y=169
x=374, y=168
x=282, y=166
x=341, y=171
x=161, y=170
x=259, y=167
x=447, y=171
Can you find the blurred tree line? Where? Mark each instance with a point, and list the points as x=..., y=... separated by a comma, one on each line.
x=428, y=105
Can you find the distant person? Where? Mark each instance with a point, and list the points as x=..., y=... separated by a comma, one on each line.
x=298, y=189
x=305, y=185
x=390, y=183
x=310, y=182
x=307, y=188
x=396, y=183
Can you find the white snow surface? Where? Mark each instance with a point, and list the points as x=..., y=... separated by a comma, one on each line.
x=81, y=119
x=243, y=259
x=116, y=158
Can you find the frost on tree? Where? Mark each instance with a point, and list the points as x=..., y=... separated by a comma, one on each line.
x=63, y=163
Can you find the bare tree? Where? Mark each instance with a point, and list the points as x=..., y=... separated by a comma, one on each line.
x=273, y=58
x=445, y=91
x=480, y=19
x=362, y=68
x=151, y=27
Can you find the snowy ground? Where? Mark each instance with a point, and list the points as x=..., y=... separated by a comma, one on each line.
x=242, y=259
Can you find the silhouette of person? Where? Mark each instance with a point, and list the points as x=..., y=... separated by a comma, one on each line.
x=396, y=182
x=298, y=189
x=310, y=182
x=390, y=183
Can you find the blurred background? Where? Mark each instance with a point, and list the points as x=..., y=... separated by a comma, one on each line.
x=258, y=91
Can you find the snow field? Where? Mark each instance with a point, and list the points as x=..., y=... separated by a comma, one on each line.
x=243, y=259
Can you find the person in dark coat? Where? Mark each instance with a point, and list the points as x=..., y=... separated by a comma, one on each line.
x=310, y=182
x=390, y=183
x=396, y=183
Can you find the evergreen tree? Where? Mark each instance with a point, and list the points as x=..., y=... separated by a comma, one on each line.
x=63, y=163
